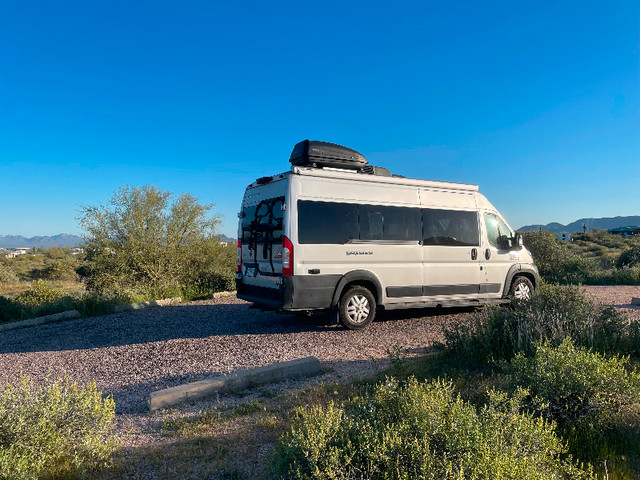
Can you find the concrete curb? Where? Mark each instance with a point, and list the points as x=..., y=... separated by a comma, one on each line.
x=303, y=367
x=143, y=305
x=31, y=322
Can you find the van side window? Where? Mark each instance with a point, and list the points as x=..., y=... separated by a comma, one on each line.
x=326, y=222
x=450, y=227
x=498, y=234
x=389, y=223
x=337, y=223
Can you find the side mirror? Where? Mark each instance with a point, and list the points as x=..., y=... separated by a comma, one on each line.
x=518, y=240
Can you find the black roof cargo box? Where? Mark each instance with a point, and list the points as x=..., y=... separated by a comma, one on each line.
x=323, y=154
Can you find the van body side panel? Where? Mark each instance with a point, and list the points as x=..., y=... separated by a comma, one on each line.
x=497, y=259
x=450, y=271
x=396, y=264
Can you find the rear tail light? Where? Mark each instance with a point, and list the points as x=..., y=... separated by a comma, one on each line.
x=239, y=266
x=287, y=257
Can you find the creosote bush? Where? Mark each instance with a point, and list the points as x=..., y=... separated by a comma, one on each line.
x=60, y=430
x=419, y=430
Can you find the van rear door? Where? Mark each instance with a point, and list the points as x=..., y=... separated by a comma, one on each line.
x=261, y=230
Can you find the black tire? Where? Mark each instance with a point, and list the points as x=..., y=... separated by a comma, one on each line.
x=521, y=288
x=357, y=308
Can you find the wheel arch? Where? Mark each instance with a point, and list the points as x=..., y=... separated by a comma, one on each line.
x=520, y=270
x=364, y=278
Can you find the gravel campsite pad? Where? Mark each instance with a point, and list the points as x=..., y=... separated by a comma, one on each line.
x=132, y=354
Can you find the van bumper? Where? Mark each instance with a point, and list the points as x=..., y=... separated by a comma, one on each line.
x=298, y=292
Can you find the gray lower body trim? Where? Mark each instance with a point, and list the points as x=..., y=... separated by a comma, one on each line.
x=439, y=290
x=299, y=292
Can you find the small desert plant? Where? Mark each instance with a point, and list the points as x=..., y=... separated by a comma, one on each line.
x=629, y=258
x=7, y=275
x=418, y=430
x=57, y=430
x=39, y=293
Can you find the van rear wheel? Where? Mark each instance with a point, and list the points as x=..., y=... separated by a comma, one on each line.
x=357, y=308
x=521, y=288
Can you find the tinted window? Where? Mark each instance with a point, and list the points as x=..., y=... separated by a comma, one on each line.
x=337, y=223
x=324, y=222
x=263, y=221
x=389, y=223
x=450, y=227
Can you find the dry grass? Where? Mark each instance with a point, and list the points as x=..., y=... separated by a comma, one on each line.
x=226, y=442
x=11, y=290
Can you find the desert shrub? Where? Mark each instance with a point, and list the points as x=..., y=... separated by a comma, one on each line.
x=575, y=270
x=7, y=275
x=60, y=271
x=39, y=293
x=418, y=430
x=580, y=386
x=547, y=252
x=9, y=309
x=595, y=399
x=629, y=258
x=146, y=241
x=553, y=314
x=58, y=430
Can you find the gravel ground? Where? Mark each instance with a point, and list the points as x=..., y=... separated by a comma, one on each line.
x=135, y=353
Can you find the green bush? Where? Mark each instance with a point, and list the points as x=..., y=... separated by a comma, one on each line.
x=7, y=275
x=594, y=399
x=145, y=240
x=553, y=314
x=579, y=385
x=9, y=310
x=57, y=430
x=629, y=258
x=418, y=430
x=60, y=271
x=39, y=293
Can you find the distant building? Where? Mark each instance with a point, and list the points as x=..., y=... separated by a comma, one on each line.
x=628, y=231
x=564, y=237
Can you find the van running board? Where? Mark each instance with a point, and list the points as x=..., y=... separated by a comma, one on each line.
x=446, y=304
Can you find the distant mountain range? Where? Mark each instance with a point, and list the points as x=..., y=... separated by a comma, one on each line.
x=61, y=240
x=591, y=223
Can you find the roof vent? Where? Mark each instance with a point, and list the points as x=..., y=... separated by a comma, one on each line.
x=381, y=171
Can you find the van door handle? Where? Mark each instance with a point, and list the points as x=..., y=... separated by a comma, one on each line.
x=474, y=254
x=487, y=253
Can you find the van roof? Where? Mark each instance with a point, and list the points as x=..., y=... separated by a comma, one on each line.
x=395, y=180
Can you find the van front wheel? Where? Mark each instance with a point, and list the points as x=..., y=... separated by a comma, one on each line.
x=357, y=308
x=521, y=288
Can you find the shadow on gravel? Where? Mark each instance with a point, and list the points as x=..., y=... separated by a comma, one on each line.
x=133, y=398
x=179, y=322
x=156, y=325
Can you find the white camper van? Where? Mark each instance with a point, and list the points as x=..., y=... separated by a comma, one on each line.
x=335, y=233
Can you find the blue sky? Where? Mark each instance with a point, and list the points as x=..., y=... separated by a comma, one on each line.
x=536, y=102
